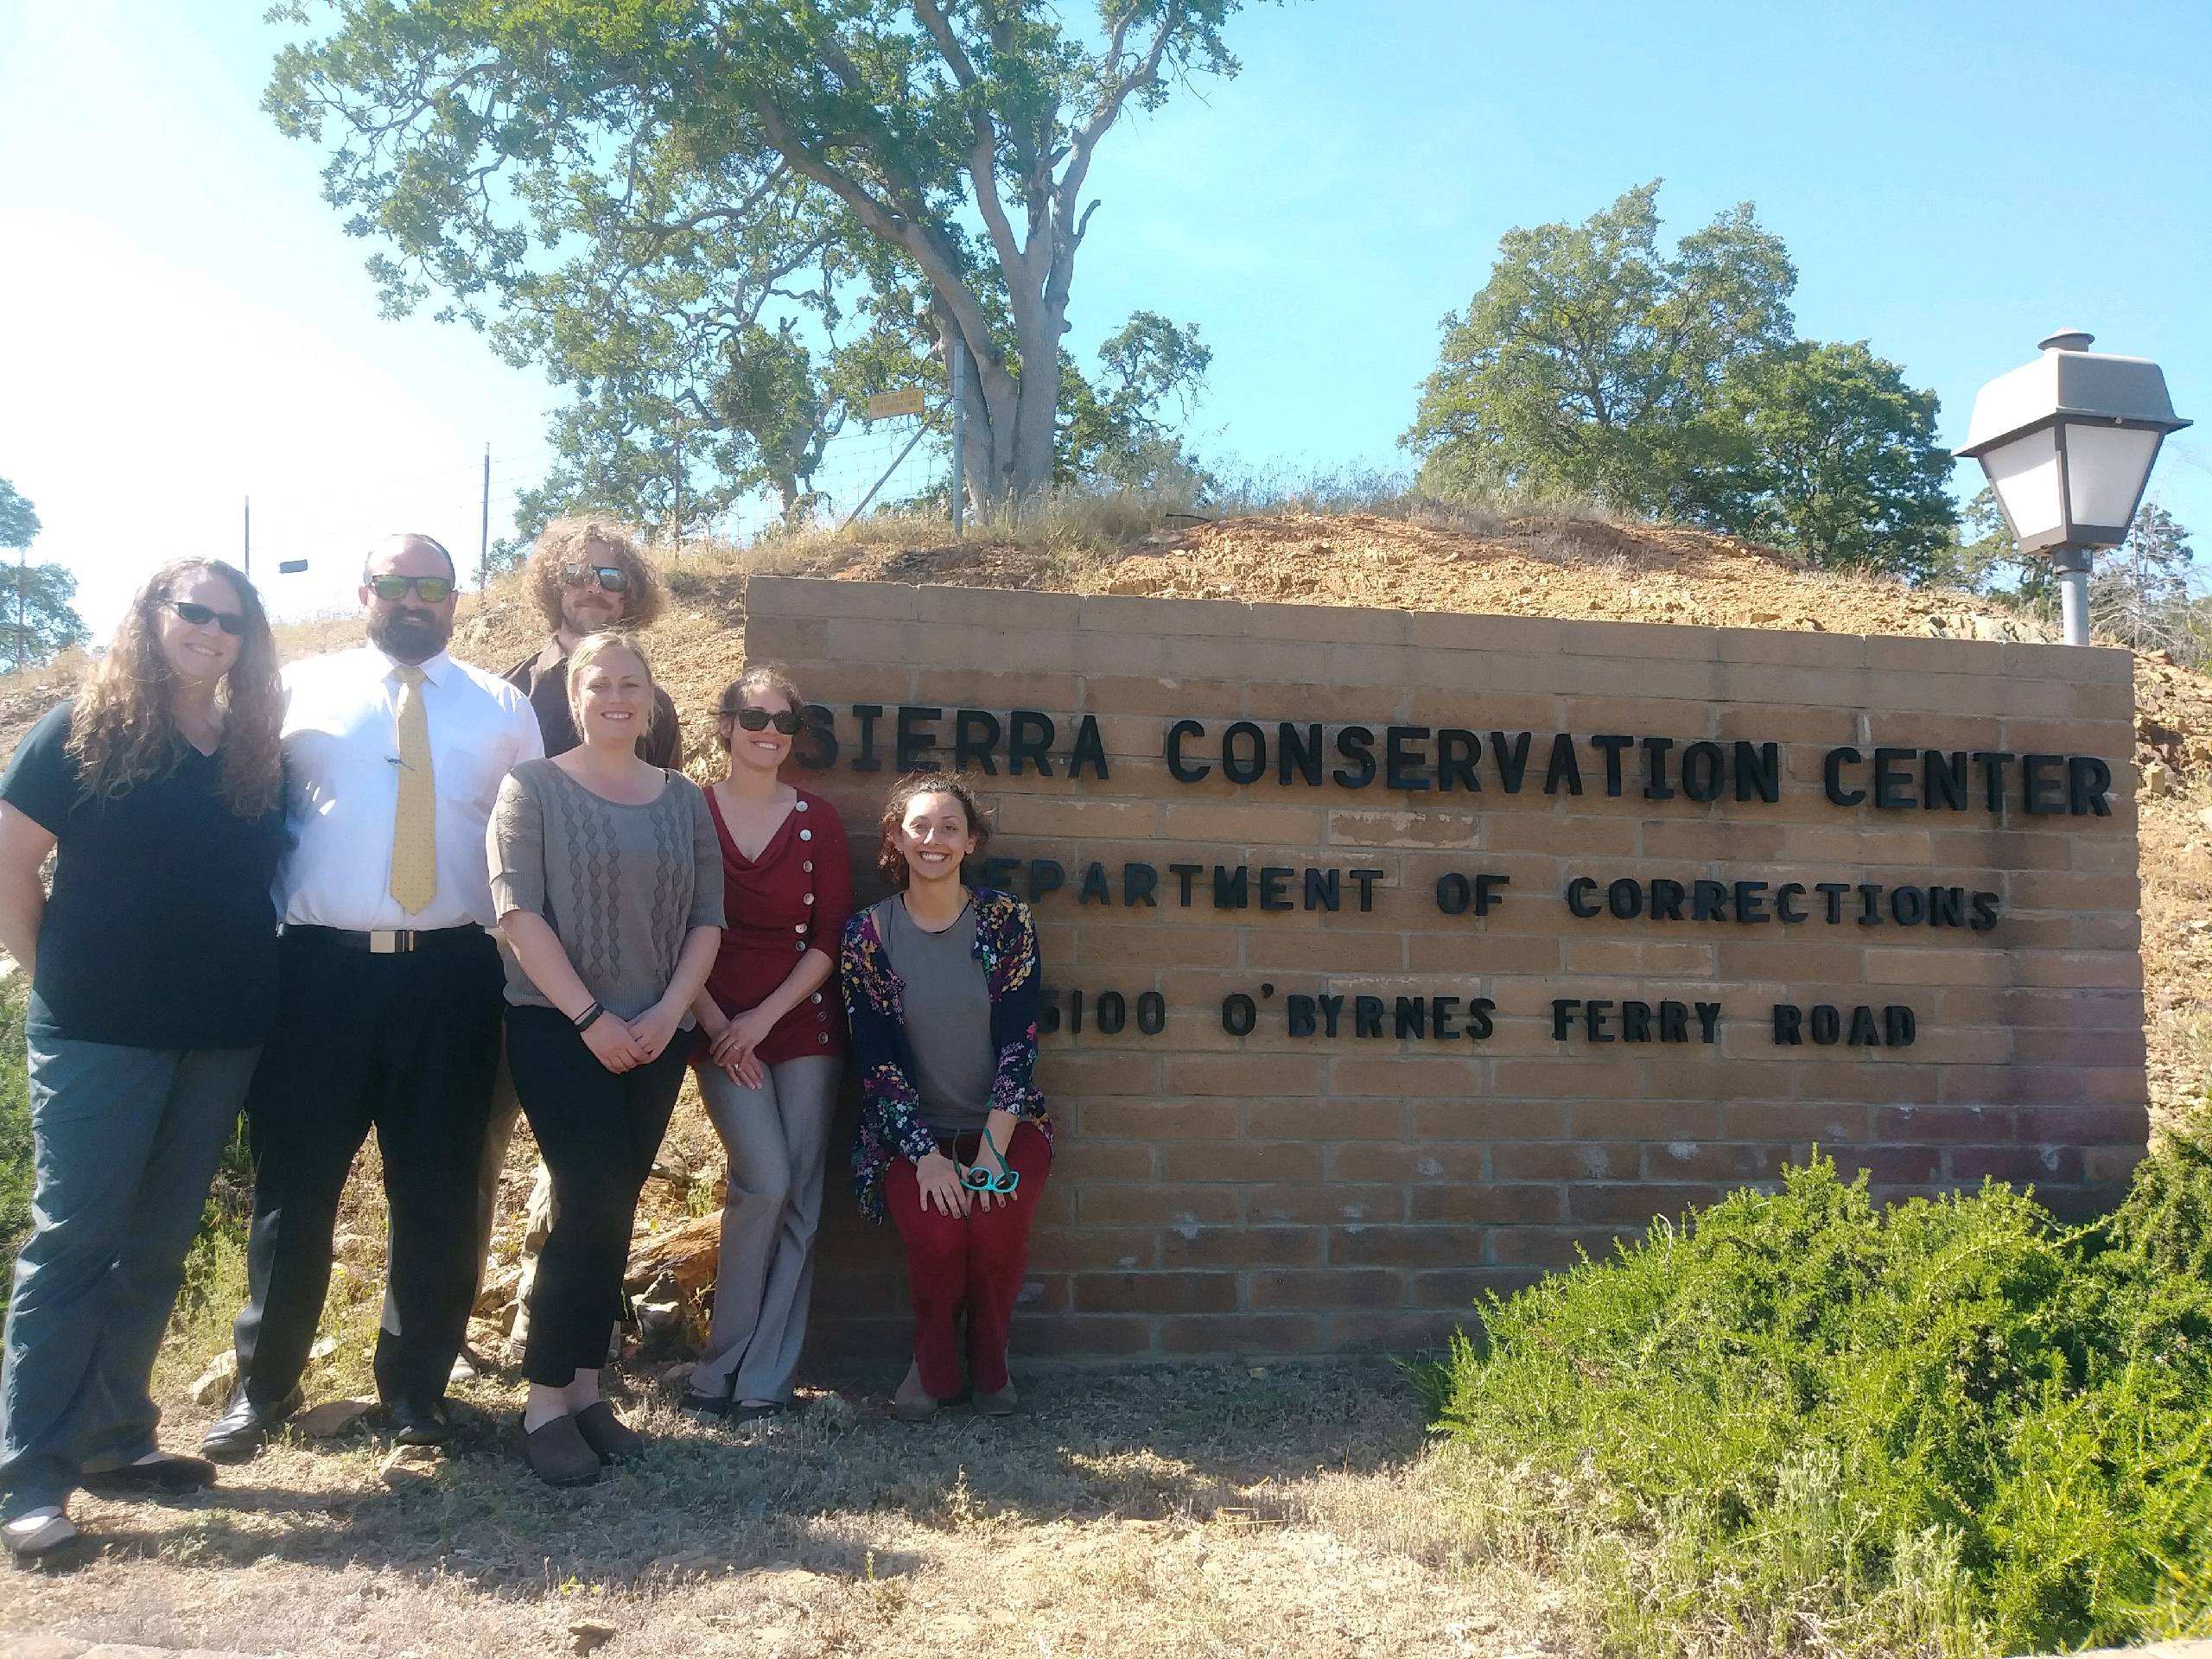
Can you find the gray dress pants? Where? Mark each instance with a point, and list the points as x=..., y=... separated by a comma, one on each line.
x=126, y=1141
x=776, y=1137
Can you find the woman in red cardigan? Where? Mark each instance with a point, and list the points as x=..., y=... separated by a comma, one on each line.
x=772, y=1046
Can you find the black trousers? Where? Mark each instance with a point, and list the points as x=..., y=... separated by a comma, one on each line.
x=598, y=1132
x=405, y=1044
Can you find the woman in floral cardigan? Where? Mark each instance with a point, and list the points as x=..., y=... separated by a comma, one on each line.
x=942, y=995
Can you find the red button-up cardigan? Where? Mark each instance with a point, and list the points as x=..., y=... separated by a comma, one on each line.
x=794, y=897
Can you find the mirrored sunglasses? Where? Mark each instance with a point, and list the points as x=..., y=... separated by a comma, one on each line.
x=200, y=615
x=431, y=590
x=612, y=578
x=758, y=720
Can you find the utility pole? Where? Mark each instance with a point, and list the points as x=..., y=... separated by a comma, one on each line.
x=959, y=435
x=483, y=525
x=249, y=537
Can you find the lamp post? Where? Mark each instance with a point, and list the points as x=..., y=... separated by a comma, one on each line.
x=2067, y=442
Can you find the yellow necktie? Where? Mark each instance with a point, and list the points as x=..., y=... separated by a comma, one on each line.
x=415, y=823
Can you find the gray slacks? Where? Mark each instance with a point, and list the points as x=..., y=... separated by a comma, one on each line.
x=125, y=1142
x=776, y=1137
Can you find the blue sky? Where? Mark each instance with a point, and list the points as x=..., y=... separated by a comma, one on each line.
x=186, y=323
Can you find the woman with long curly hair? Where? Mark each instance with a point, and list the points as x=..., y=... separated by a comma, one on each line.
x=942, y=993
x=159, y=788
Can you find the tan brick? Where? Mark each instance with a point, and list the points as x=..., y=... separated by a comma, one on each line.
x=1154, y=1293
x=1564, y=1160
x=1267, y=1074
x=1519, y=1202
x=1326, y=1287
x=1552, y=1247
x=1241, y=1160
x=1241, y=1247
x=1372, y=1332
x=1091, y=1335
x=1257, y=1334
x=1068, y=1248
x=2021, y=1165
x=1442, y=1244
x=1149, y=1120
x=1332, y=1201
x=1639, y=1201
x=1164, y=1206
x=1384, y=1160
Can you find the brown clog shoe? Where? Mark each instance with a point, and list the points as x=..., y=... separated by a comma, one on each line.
x=559, y=1455
x=611, y=1439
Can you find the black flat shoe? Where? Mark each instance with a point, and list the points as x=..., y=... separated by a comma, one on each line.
x=165, y=1473
x=49, y=1542
x=245, y=1426
x=754, y=1413
x=611, y=1438
x=704, y=1408
x=559, y=1455
x=419, y=1424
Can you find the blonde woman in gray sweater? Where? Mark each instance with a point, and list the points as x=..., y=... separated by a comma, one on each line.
x=607, y=879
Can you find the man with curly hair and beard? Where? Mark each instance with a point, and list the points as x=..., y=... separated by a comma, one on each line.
x=588, y=575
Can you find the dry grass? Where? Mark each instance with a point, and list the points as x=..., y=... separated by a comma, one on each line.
x=1152, y=1512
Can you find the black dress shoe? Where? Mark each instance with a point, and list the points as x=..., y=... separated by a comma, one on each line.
x=413, y=1424
x=246, y=1426
x=165, y=1473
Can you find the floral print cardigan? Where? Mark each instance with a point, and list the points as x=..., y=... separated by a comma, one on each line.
x=891, y=1122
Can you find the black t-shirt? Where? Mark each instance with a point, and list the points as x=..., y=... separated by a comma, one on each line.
x=161, y=932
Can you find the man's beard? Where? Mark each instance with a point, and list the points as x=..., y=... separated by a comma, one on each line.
x=412, y=636
x=579, y=621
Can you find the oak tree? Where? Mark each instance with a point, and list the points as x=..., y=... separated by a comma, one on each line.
x=618, y=187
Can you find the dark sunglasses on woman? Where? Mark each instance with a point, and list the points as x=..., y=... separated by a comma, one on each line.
x=758, y=720
x=612, y=578
x=431, y=590
x=200, y=615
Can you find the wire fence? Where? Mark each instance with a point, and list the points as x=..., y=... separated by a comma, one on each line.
x=896, y=458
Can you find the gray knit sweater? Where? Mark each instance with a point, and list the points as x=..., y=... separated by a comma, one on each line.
x=621, y=886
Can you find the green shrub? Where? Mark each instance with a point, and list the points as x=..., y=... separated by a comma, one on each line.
x=1945, y=1428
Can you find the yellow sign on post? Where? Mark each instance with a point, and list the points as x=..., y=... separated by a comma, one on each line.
x=884, y=405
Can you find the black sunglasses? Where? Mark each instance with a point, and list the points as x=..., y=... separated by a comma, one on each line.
x=200, y=615
x=758, y=720
x=612, y=578
x=431, y=590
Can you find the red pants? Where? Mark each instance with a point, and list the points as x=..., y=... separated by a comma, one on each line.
x=972, y=1262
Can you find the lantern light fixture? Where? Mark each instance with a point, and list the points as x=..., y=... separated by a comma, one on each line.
x=2067, y=442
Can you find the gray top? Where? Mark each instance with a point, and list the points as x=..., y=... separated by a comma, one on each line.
x=947, y=1006
x=621, y=886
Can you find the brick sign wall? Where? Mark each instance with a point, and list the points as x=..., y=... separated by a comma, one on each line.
x=1395, y=956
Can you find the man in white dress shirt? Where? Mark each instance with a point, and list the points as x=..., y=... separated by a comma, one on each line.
x=390, y=1000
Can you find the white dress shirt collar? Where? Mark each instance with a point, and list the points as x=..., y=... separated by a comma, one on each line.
x=434, y=669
